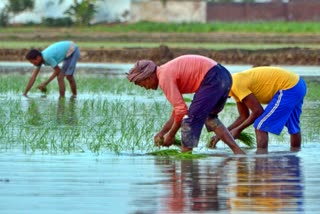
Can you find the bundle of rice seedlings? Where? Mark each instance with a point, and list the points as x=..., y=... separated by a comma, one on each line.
x=43, y=90
x=159, y=142
x=177, y=142
x=247, y=139
x=189, y=156
x=176, y=154
x=165, y=152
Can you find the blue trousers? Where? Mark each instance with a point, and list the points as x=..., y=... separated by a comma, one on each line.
x=207, y=102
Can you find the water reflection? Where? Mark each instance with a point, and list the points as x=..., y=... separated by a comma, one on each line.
x=34, y=117
x=193, y=186
x=268, y=184
x=254, y=184
x=66, y=111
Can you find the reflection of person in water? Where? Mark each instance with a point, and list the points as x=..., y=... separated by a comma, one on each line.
x=66, y=114
x=203, y=187
x=268, y=184
x=34, y=117
x=194, y=187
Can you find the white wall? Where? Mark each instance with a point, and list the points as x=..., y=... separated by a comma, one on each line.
x=107, y=10
x=112, y=10
x=174, y=11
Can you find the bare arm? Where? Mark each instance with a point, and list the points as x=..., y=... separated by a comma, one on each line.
x=244, y=113
x=167, y=134
x=167, y=126
x=31, y=81
x=53, y=75
x=170, y=136
x=245, y=119
x=252, y=103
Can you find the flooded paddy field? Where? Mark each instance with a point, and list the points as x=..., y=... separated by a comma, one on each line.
x=92, y=154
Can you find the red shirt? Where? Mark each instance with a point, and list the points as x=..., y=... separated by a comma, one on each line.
x=182, y=75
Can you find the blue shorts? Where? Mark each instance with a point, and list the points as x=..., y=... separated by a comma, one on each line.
x=284, y=109
x=207, y=102
x=69, y=64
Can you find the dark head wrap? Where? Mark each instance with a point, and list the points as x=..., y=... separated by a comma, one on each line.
x=141, y=70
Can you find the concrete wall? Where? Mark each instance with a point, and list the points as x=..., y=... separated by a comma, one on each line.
x=173, y=11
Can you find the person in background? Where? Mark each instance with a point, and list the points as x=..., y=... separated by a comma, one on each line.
x=283, y=91
x=203, y=76
x=63, y=51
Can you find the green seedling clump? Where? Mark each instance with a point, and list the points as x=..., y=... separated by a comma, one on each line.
x=159, y=142
x=43, y=90
x=176, y=154
x=247, y=139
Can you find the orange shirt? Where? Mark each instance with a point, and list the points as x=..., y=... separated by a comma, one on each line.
x=182, y=75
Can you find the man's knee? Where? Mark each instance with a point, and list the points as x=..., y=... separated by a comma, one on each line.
x=212, y=123
x=189, y=137
x=70, y=78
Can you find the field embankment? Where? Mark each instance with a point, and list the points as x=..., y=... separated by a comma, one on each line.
x=265, y=48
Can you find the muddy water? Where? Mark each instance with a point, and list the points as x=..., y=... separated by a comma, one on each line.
x=281, y=181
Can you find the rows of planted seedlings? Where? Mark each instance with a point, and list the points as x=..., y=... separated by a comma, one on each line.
x=52, y=125
x=109, y=115
x=79, y=125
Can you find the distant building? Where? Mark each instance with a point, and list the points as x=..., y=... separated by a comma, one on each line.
x=107, y=11
x=178, y=11
x=171, y=11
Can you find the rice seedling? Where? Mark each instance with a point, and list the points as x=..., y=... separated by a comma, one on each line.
x=247, y=138
x=176, y=154
x=109, y=115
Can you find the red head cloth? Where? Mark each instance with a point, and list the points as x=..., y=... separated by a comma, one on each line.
x=141, y=70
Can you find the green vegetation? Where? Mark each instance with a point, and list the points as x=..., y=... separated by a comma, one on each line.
x=176, y=154
x=82, y=12
x=14, y=7
x=248, y=139
x=125, y=35
x=148, y=27
x=240, y=27
x=131, y=35
x=313, y=90
x=101, y=44
x=109, y=115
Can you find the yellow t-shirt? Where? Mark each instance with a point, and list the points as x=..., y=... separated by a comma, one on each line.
x=264, y=82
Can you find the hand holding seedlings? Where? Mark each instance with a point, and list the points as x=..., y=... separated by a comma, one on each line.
x=42, y=88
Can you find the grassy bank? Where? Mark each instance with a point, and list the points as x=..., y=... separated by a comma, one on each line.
x=234, y=27
x=105, y=44
x=243, y=27
x=217, y=35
